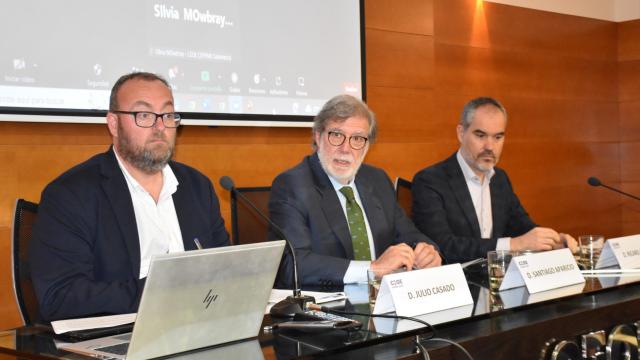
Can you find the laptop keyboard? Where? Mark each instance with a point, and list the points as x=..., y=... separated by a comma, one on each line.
x=119, y=349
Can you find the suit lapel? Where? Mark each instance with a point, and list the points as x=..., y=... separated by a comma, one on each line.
x=459, y=188
x=115, y=187
x=330, y=205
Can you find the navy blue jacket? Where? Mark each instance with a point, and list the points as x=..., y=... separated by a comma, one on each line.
x=305, y=205
x=85, y=251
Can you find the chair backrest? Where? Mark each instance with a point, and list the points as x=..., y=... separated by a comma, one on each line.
x=404, y=196
x=24, y=216
x=246, y=226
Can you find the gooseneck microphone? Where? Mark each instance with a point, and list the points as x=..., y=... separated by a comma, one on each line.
x=292, y=304
x=594, y=181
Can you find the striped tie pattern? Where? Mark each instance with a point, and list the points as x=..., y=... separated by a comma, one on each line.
x=357, y=226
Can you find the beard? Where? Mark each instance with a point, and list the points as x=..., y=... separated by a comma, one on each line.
x=478, y=162
x=345, y=175
x=149, y=158
x=482, y=164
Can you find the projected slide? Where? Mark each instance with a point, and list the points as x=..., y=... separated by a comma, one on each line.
x=222, y=57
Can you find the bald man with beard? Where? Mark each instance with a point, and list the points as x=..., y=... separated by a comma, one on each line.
x=100, y=222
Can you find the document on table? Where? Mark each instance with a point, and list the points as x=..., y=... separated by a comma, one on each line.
x=63, y=326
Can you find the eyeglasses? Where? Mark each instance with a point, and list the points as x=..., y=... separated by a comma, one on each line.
x=147, y=119
x=356, y=142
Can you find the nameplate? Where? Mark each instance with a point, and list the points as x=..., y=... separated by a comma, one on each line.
x=542, y=271
x=622, y=251
x=423, y=291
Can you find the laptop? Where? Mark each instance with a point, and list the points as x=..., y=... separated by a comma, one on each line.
x=196, y=299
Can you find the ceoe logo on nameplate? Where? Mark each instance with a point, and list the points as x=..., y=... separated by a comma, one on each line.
x=622, y=251
x=423, y=291
x=542, y=271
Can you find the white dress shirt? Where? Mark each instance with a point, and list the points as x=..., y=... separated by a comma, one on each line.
x=357, y=270
x=480, y=192
x=158, y=227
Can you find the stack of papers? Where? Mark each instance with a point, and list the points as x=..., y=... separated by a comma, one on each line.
x=63, y=326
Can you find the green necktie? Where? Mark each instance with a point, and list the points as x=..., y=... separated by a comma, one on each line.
x=357, y=226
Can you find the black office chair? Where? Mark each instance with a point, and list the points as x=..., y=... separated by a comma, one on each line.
x=24, y=217
x=246, y=226
x=404, y=196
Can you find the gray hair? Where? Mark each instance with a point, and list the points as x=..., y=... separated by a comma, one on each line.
x=470, y=108
x=146, y=76
x=341, y=107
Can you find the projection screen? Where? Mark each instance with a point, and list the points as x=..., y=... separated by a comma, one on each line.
x=230, y=62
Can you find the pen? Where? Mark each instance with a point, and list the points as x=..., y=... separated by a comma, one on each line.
x=198, y=245
x=413, y=247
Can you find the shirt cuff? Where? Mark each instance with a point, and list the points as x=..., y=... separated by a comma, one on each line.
x=356, y=272
x=504, y=244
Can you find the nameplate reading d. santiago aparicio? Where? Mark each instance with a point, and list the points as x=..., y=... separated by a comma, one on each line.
x=423, y=291
x=542, y=271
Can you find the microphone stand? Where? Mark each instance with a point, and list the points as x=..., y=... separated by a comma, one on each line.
x=593, y=181
x=294, y=303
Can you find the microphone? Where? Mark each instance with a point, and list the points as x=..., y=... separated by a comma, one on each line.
x=594, y=181
x=292, y=304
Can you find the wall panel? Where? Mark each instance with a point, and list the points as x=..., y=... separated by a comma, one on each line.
x=543, y=118
x=496, y=26
x=628, y=44
x=405, y=159
x=630, y=120
x=399, y=60
x=414, y=16
x=630, y=208
x=629, y=80
x=550, y=179
x=404, y=115
x=629, y=97
x=474, y=70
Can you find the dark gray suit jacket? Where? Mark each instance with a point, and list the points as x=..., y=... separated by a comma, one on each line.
x=443, y=209
x=305, y=205
x=85, y=251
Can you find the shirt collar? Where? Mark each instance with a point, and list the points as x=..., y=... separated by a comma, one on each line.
x=468, y=173
x=337, y=185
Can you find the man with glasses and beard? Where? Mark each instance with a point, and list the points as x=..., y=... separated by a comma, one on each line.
x=467, y=205
x=340, y=215
x=100, y=222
